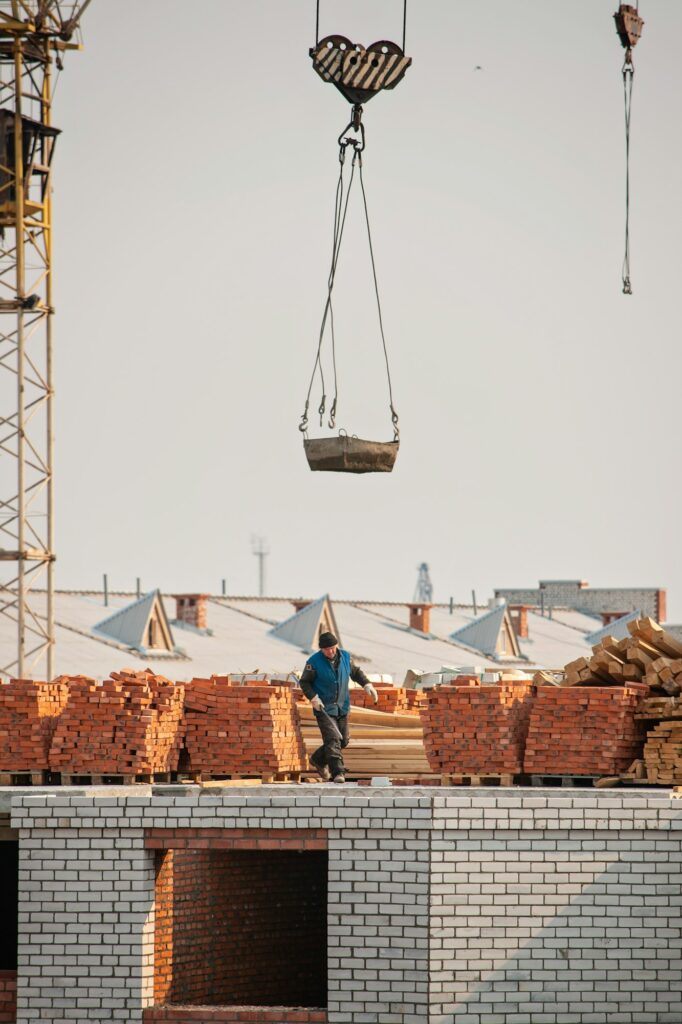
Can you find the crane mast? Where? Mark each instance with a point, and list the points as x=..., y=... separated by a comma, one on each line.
x=34, y=35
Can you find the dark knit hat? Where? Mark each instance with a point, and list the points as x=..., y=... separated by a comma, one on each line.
x=327, y=640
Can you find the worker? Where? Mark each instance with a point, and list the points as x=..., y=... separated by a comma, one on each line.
x=325, y=682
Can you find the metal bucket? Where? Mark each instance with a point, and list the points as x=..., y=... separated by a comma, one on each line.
x=346, y=454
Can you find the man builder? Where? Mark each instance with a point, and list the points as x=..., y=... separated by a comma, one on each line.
x=325, y=683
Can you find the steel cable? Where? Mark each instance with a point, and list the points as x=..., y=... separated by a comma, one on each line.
x=628, y=78
x=394, y=415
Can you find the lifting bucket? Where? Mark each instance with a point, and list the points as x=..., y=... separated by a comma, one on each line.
x=344, y=454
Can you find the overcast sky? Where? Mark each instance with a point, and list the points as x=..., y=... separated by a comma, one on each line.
x=539, y=407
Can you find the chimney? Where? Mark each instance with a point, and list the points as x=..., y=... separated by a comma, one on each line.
x=519, y=618
x=300, y=603
x=420, y=617
x=608, y=617
x=191, y=609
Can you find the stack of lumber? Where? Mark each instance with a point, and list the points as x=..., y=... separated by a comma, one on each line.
x=662, y=756
x=477, y=730
x=392, y=699
x=250, y=728
x=584, y=731
x=381, y=743
x=28, y=715
x=649, y=655
x=128, y=725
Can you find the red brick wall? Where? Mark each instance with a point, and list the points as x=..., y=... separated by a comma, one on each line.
x=233, y=1015
x=240, y=926
x=8, y=997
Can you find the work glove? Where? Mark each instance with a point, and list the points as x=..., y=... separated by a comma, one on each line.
x=317, y=703
x=372, y=693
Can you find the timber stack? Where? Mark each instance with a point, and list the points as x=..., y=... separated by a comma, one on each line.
x=29, y=711
x=649, y=655
x=382, y=743
x=247, y=728
x=477, y=730
x=661, y=760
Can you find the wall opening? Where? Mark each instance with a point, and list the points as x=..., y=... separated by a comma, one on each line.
x=241, y=927
x=9, y=916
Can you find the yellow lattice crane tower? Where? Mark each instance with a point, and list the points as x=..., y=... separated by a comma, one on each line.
x=34, y=35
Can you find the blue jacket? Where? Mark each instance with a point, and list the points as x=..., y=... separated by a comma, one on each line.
x=330, y=684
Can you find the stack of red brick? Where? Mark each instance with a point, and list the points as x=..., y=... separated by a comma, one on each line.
x=471, y=729
x=392, y=699
x=28, y=716
x=584, y=730
x=242, y=729
x=128, y=725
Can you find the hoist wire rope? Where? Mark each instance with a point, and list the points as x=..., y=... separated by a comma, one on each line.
x=394, y=415
x=317, y=23
x=628, y=78
x=340, y=212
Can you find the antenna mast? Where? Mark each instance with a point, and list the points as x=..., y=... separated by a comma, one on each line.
x=34, y=36
x=423, y=592
x=260, y=548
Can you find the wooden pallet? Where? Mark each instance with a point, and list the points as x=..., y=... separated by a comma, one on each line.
x=29, y=778
x=250, y=778
x=113, y=779
x=573, y=781
x=452, y=779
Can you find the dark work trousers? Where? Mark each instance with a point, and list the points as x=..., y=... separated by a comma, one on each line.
x=330, y=751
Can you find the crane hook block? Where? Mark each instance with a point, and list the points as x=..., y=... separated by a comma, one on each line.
x=359, y=73
x=628, y=25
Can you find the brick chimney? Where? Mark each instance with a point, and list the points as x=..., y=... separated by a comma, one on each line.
x=300, y=603
x=191, y=609
x=420, y=617
x=608, y=617
x=519, y=617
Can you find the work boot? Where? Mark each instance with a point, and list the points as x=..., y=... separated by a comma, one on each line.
x=340, y=778
x=321, y=769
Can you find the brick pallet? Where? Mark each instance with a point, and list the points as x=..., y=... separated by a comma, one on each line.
x=392, y=699
x=584, y=731
x=128, y=725
x=28, y=715
x=474, y=730
x=242, y=729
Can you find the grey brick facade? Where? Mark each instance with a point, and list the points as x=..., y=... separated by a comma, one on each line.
x=478, y=906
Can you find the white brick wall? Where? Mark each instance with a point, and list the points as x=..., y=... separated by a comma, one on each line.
x=445, y=906
x=555, y=910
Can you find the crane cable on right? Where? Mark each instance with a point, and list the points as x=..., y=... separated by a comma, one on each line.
x=629, y=27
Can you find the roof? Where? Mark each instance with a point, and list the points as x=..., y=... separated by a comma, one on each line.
x=130, y=625
x=483, y=634
x=304, y=627
x=618, y=628
x=242, y=638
